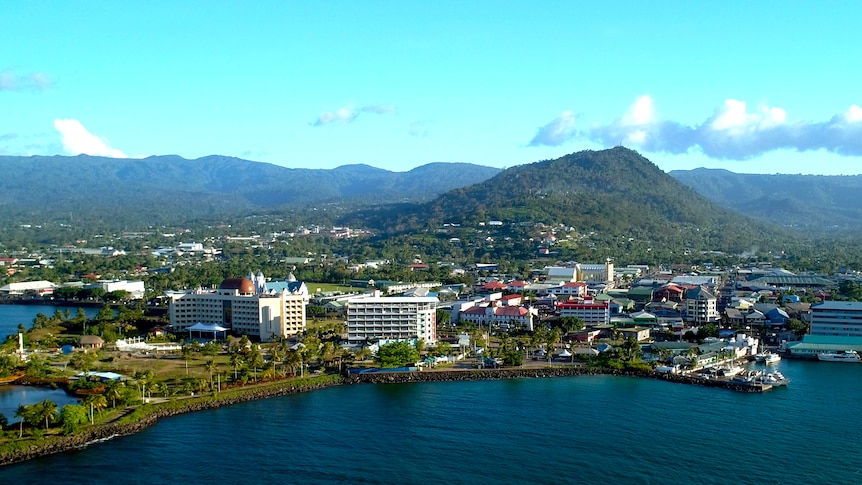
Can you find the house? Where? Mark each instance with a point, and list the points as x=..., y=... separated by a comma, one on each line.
x=640, y=334
x=701, y=306
x=91, y=342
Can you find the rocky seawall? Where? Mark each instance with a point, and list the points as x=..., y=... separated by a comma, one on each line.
x=102, y=432
x=472, y=375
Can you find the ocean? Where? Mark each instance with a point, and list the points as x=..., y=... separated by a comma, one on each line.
x=586, y=429
x=12, y=315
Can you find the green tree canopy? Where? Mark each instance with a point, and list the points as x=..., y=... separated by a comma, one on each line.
x=397, y=354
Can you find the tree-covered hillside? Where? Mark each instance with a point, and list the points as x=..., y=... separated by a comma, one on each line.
x=169, y=188
x=616, y=193
x=813, y=203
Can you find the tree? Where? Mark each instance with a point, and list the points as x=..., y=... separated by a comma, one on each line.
x=24, y=413
x=83, y=361
x=72, y=416
x=96, y=402
x=397, y=354
x=212, y=368
x=114, y=391
x=47, y=411
x=187, y=355
x=236, y=361
x=4, y=421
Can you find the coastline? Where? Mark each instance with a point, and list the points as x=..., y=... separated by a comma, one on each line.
x=137, y=418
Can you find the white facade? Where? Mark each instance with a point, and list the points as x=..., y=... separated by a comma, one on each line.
x=240, y=307
x=837, y=318
x=135, y=288
x=397, y=318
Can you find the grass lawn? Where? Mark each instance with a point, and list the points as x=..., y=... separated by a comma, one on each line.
x=328, y=287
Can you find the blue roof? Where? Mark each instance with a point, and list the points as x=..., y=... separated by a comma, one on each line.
x=279, y=286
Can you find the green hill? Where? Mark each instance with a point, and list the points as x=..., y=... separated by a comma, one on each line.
x=616, y=196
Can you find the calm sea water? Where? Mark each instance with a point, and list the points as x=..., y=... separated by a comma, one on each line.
x=12, y=315
x=567, y=430
x=13, y=396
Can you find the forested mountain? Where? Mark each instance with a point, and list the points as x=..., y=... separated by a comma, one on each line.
x=164, y=186
x=815, y=203
x=616, y=193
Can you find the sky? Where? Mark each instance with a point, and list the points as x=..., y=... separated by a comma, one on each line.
x=751, y=87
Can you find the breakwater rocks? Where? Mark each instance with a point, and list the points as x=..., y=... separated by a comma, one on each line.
x=149, y=415
x=484, y=374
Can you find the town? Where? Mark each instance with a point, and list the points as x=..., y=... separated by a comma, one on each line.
x=149, y=344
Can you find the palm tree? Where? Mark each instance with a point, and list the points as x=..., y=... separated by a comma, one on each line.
x=236, y=361
x=114, y=391
x=187, y=356
x=277, y=355
x=211, y=367
x=96, y=402
x=293, y=359
x=256, y=361
x=22, y=412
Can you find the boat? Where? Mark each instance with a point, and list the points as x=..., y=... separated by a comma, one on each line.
x=839, y=356
x=775, y=379
x=730, y=371
x=767, y=357
x=771, y=358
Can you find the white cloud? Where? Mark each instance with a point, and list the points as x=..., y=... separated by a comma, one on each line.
x=556, y=132
x=34, y=81
x=349, y=113
x=732, y=132
x=418, y=129
x=76, y=139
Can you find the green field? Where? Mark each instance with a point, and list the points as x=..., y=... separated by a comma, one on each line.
x=327, y=287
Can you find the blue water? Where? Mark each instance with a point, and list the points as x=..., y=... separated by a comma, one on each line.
x=12, y=315
x=596, y=429
x=13, y=396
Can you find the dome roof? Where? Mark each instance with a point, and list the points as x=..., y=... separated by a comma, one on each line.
x=243, y=285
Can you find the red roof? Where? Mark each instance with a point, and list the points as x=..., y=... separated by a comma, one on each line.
x=494, y=285
x=475, y=310
x=510, y=311
x=511, y=297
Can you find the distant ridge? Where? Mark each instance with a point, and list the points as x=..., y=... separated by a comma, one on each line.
x=209, y=185
x=813, y=203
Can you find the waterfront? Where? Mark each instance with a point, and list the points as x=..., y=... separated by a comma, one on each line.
x=12, y=396
x=580, y=429
x=12, y=315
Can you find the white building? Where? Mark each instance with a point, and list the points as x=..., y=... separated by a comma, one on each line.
x=837, y=318
x=395, y=318
x=244, y=308
x=42, y=287
x=135, y=288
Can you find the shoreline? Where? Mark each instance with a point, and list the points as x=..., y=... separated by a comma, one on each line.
x=137, y=418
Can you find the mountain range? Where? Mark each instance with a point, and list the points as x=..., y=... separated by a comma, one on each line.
x=596, y=189
x=209, y=185
x=811, y=203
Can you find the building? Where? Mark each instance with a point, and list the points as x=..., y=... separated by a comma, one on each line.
x=268, y=311
x=134, y=288
x=701, y=306
x=592, y=312
x=391, y=319
x=837, y=318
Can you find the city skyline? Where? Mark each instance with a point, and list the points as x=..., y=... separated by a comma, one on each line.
x=762, y=88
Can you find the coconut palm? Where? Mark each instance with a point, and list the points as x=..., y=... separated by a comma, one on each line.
x=211, y=367
x=113, y=391
x=96, y=402
x=23, y=412
x=236, y=361
x=277, y=355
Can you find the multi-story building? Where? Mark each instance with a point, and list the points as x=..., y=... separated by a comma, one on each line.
x=392, y=319
x=592, y=312
x=701, y=306
x=244, y=307
x=837, y=318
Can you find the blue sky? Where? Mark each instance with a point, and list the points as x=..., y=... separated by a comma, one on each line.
x=753, y=87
